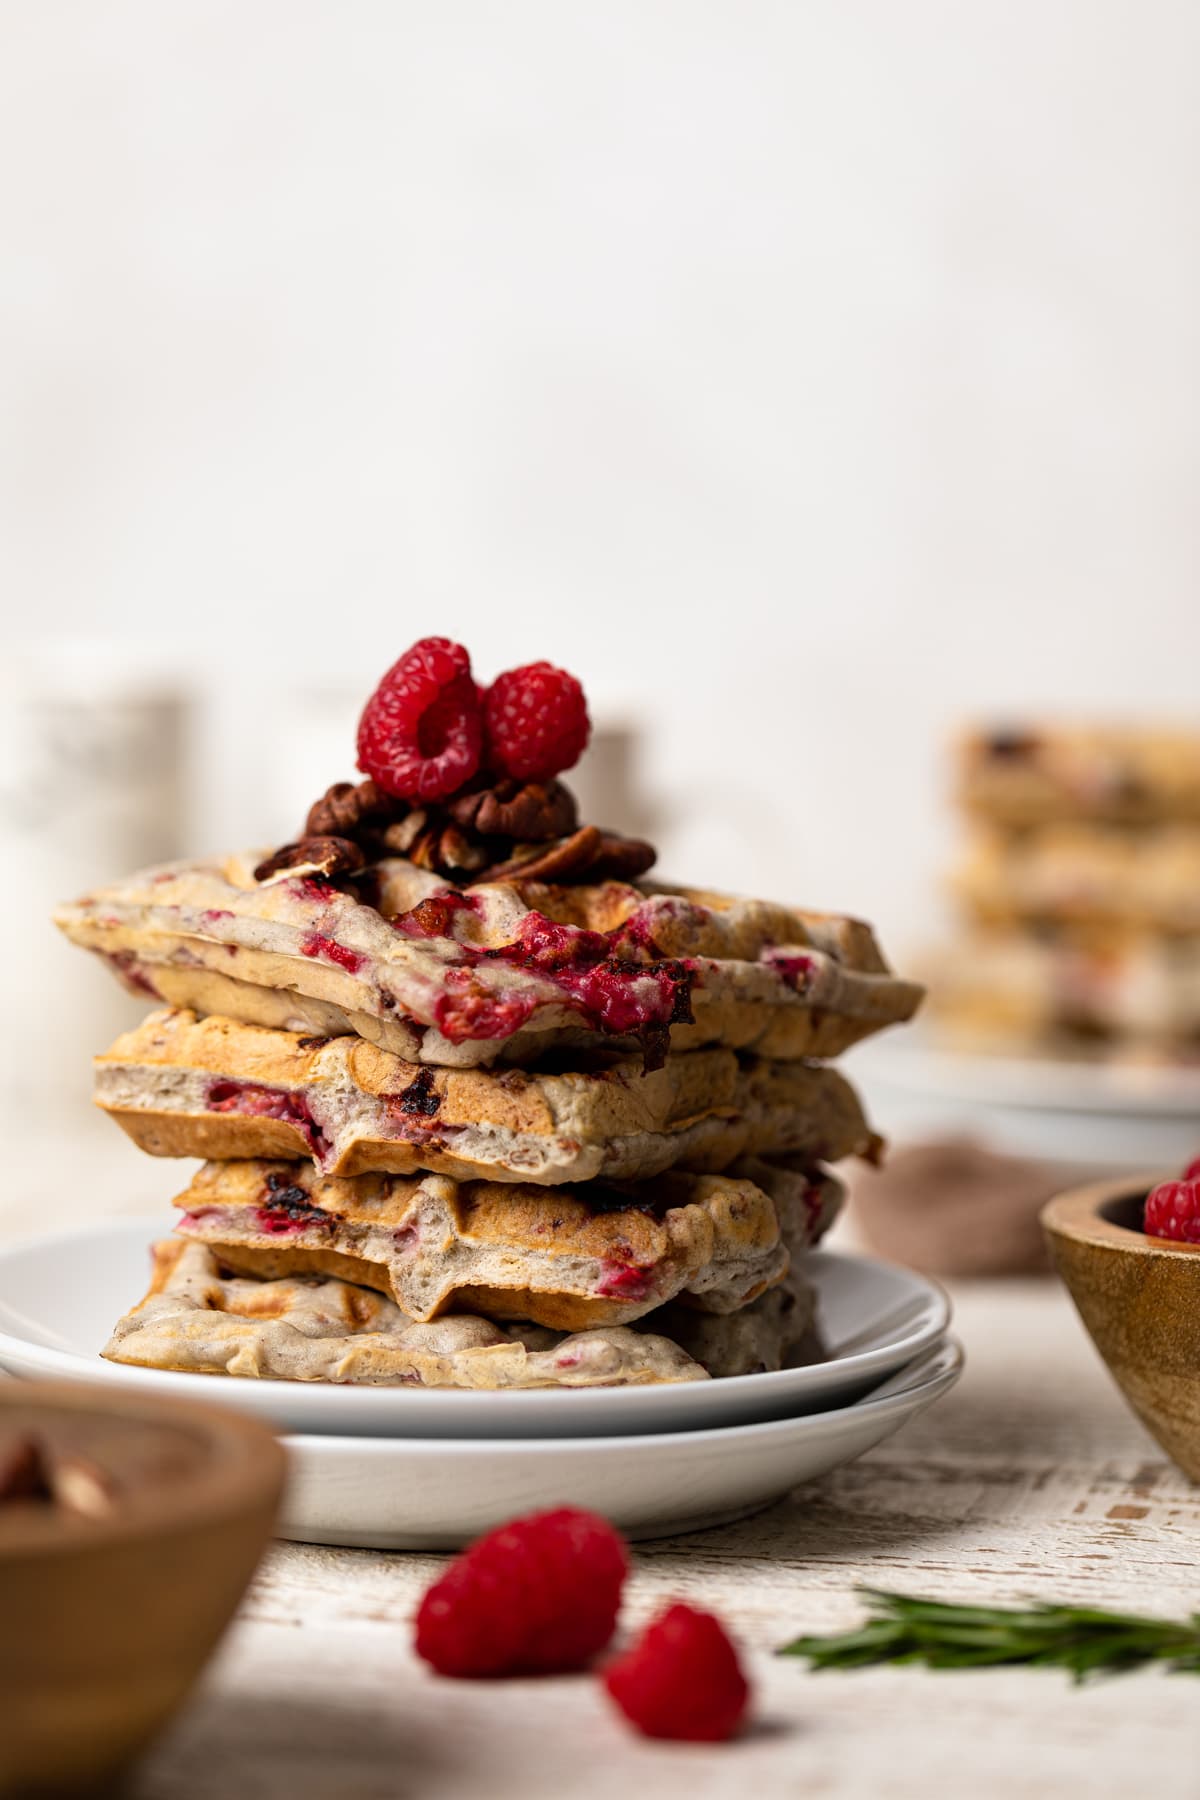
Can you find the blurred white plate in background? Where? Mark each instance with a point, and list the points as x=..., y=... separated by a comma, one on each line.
x=1092, y=1116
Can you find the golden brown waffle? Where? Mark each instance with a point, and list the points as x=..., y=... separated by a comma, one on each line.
x=185, y=1086
x=1038, y=774
x=197, y=1318
x=1016, y=990
x=500, y=972
x=775, y=1331
x=569, y=1258
x=1093, y=880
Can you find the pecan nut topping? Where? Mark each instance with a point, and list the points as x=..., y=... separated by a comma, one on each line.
x=446, y=850
x=327, y=856
x=345, y=806
x=399, y=837
x=621, y=859
x=505, y=830
x=556, y=862
x=588, y=853
x=531, y=812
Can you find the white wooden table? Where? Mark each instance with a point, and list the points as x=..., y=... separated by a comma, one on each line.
x=1031, y=1478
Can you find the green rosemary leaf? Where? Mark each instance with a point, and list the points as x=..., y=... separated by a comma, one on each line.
x=871, y=1643
x=1085, y=1641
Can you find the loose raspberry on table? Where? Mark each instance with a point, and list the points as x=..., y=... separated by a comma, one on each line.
x=681, y=1679
x=1173, y=1211
x=1192, y=1172
x=537, y=722
x=535, y=1596
x=421, y=733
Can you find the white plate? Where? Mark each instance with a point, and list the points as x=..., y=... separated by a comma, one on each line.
x=1160, y=1089
x=439, y=1493
x=60, y=1297
x=1098, y=1116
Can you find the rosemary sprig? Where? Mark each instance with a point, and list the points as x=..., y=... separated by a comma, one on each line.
x=1088, y=1641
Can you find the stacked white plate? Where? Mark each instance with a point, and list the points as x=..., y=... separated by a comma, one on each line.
x=412, y=1468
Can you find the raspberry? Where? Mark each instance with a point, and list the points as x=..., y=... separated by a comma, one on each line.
x=682, y=1679
x=421, y=733
x=1173, y=1211
x=537, y=1595
x=537, y=722
x=1192, y=1172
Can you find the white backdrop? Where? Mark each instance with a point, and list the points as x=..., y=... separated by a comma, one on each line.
x=804, y=375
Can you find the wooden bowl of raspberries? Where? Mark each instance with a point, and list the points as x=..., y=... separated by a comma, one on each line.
x=1129, y=1253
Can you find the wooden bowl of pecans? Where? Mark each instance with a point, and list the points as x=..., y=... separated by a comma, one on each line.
x=129, y=1530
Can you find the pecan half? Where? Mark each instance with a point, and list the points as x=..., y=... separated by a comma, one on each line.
x=588, y=853
x=531, y=812
x=622, y=859
x=327, y=856
x=343, y=807
x=82, y=1487
x=24, y=1472
x=399, y=837
x=444, y=849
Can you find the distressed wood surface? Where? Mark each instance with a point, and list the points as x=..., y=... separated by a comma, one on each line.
x=1031, y=1478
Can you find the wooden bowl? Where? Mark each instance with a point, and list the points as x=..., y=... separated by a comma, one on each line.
x=107, y=1620
x=1140, y=1300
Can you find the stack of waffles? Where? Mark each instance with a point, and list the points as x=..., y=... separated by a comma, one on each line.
x=1081, y=886
x=478, y=1106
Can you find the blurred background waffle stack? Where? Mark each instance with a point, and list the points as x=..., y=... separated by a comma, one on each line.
x=1080, y=888
x=1062, y=1037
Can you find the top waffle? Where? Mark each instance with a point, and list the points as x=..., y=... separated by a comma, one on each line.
x=502, y=971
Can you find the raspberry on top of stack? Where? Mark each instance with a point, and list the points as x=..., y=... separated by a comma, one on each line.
x=448, y=1047
x=1080, y=884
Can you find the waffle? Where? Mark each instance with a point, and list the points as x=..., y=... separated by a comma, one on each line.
x=196, y=1318
x=569, y=1258
x=502, y=971
x=1137, y=989
x=183, y=1086
x=775, y=1331
x=1037, y=775
x=1094, y=879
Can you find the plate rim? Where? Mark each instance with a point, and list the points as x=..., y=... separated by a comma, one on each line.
x=705, y=1437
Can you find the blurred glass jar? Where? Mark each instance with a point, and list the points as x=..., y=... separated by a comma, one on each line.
x=92, y=787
